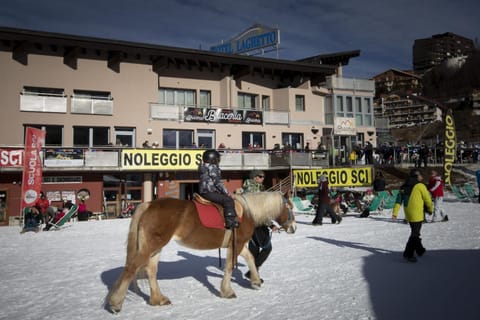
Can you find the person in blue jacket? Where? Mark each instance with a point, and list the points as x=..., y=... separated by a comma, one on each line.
x=415, y=198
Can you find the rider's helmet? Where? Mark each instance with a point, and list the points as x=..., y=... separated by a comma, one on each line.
x=211, y=156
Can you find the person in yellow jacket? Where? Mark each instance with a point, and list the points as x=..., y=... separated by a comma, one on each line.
x=415, y=198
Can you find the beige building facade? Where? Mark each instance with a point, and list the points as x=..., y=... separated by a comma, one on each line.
x=100, y=100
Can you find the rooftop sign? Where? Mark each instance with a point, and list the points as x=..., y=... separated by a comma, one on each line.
x=254, y=38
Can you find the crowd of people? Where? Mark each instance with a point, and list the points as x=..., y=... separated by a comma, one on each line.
x=44, y=214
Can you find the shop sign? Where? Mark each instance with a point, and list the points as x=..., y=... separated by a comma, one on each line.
x=338, y=177
x=157, y=159
x=11, y=157
x=63, y=157
x=222, y=116
x=254, y=38
x=345, y=126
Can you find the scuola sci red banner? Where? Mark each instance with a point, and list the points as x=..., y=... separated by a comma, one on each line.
x=32, y=166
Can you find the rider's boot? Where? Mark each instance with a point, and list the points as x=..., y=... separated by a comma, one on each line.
x=230, y=221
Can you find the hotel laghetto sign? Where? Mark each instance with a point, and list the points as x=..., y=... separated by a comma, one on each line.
x=254, y=38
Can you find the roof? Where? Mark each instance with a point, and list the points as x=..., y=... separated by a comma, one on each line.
x=23, y=42
x=405, y=73
x=338, y=58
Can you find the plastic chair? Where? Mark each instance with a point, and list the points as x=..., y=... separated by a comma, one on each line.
x=61, y=222
x=299, y=206
x=459, y=193
x=470, y=191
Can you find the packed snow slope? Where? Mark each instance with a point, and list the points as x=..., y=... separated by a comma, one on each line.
x=353, y=270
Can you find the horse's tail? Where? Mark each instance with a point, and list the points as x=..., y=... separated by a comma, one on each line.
x=133, y=233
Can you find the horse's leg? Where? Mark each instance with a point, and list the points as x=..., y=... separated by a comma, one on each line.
x=255, y=281
x=119, y=291
x=156, y=296
x=226, y=290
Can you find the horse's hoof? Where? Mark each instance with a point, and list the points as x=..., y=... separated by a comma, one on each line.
x=229, y=296
x=160, y=302
x=114, y=310
x=256, y=286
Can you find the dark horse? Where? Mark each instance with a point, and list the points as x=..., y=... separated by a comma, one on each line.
x=155, y=223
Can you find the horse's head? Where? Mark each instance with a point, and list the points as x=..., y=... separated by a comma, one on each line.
x=264, y=207
x=287, y=218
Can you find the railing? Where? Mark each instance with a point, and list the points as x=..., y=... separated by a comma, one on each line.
x=98, y=159
x=334, y=82
x=92, y=106
x=41, y=103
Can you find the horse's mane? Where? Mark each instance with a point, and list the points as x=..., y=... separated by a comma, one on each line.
x=261, y=206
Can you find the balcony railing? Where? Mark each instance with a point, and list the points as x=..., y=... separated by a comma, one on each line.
x=334, y=82
x=110, y=158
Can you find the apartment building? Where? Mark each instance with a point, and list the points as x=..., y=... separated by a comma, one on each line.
x=432, y=51
x=128, y=122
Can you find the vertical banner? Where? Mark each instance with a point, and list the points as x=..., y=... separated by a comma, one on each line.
x=450, y=151
x=32, y=166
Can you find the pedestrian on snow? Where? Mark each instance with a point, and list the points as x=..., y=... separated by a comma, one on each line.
x=414, y=197
x=324, y=203
x=368, y=151
x=212, y=188
x=379, y=183
x=435, y=186
x=260, y=245
x=423, y=156
x=42, y=204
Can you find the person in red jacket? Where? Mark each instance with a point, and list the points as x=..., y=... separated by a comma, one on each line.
x=43, y=203
x=435, y=186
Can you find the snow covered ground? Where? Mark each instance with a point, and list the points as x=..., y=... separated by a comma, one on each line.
x=354, y=270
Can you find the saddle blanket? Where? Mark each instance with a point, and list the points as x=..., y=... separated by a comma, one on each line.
x=209, y=216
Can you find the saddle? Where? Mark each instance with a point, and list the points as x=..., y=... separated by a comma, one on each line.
x=211, y=213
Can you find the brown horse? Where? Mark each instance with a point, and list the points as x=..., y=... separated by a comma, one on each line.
x=155, y=223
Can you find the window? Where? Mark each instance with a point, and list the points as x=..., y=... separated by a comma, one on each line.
x=266, y=102
x=176, y=139
x=299, y=103
x=247, y=101
x=91, y=136
x=177, y=97
x=368, y=105
x=53, y=134
x=206, y=138
x=125, y=137
x=358, y=119
x=39, y=99
x=340, y=110
x=251, y=140
x=349, y=104
x=292, y=140
x=328, y=110
x=205, y=98
x=92, y=102
x=358, y=105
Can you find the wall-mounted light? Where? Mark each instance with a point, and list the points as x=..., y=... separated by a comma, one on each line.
x=229, y=135
x=273, y=137
x=149, y=130
x=314, y=130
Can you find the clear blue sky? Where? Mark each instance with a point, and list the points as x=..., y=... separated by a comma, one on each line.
x=384, y=31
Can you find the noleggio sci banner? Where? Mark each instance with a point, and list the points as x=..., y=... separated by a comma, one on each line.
x=450, y=146
x=338, y=177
